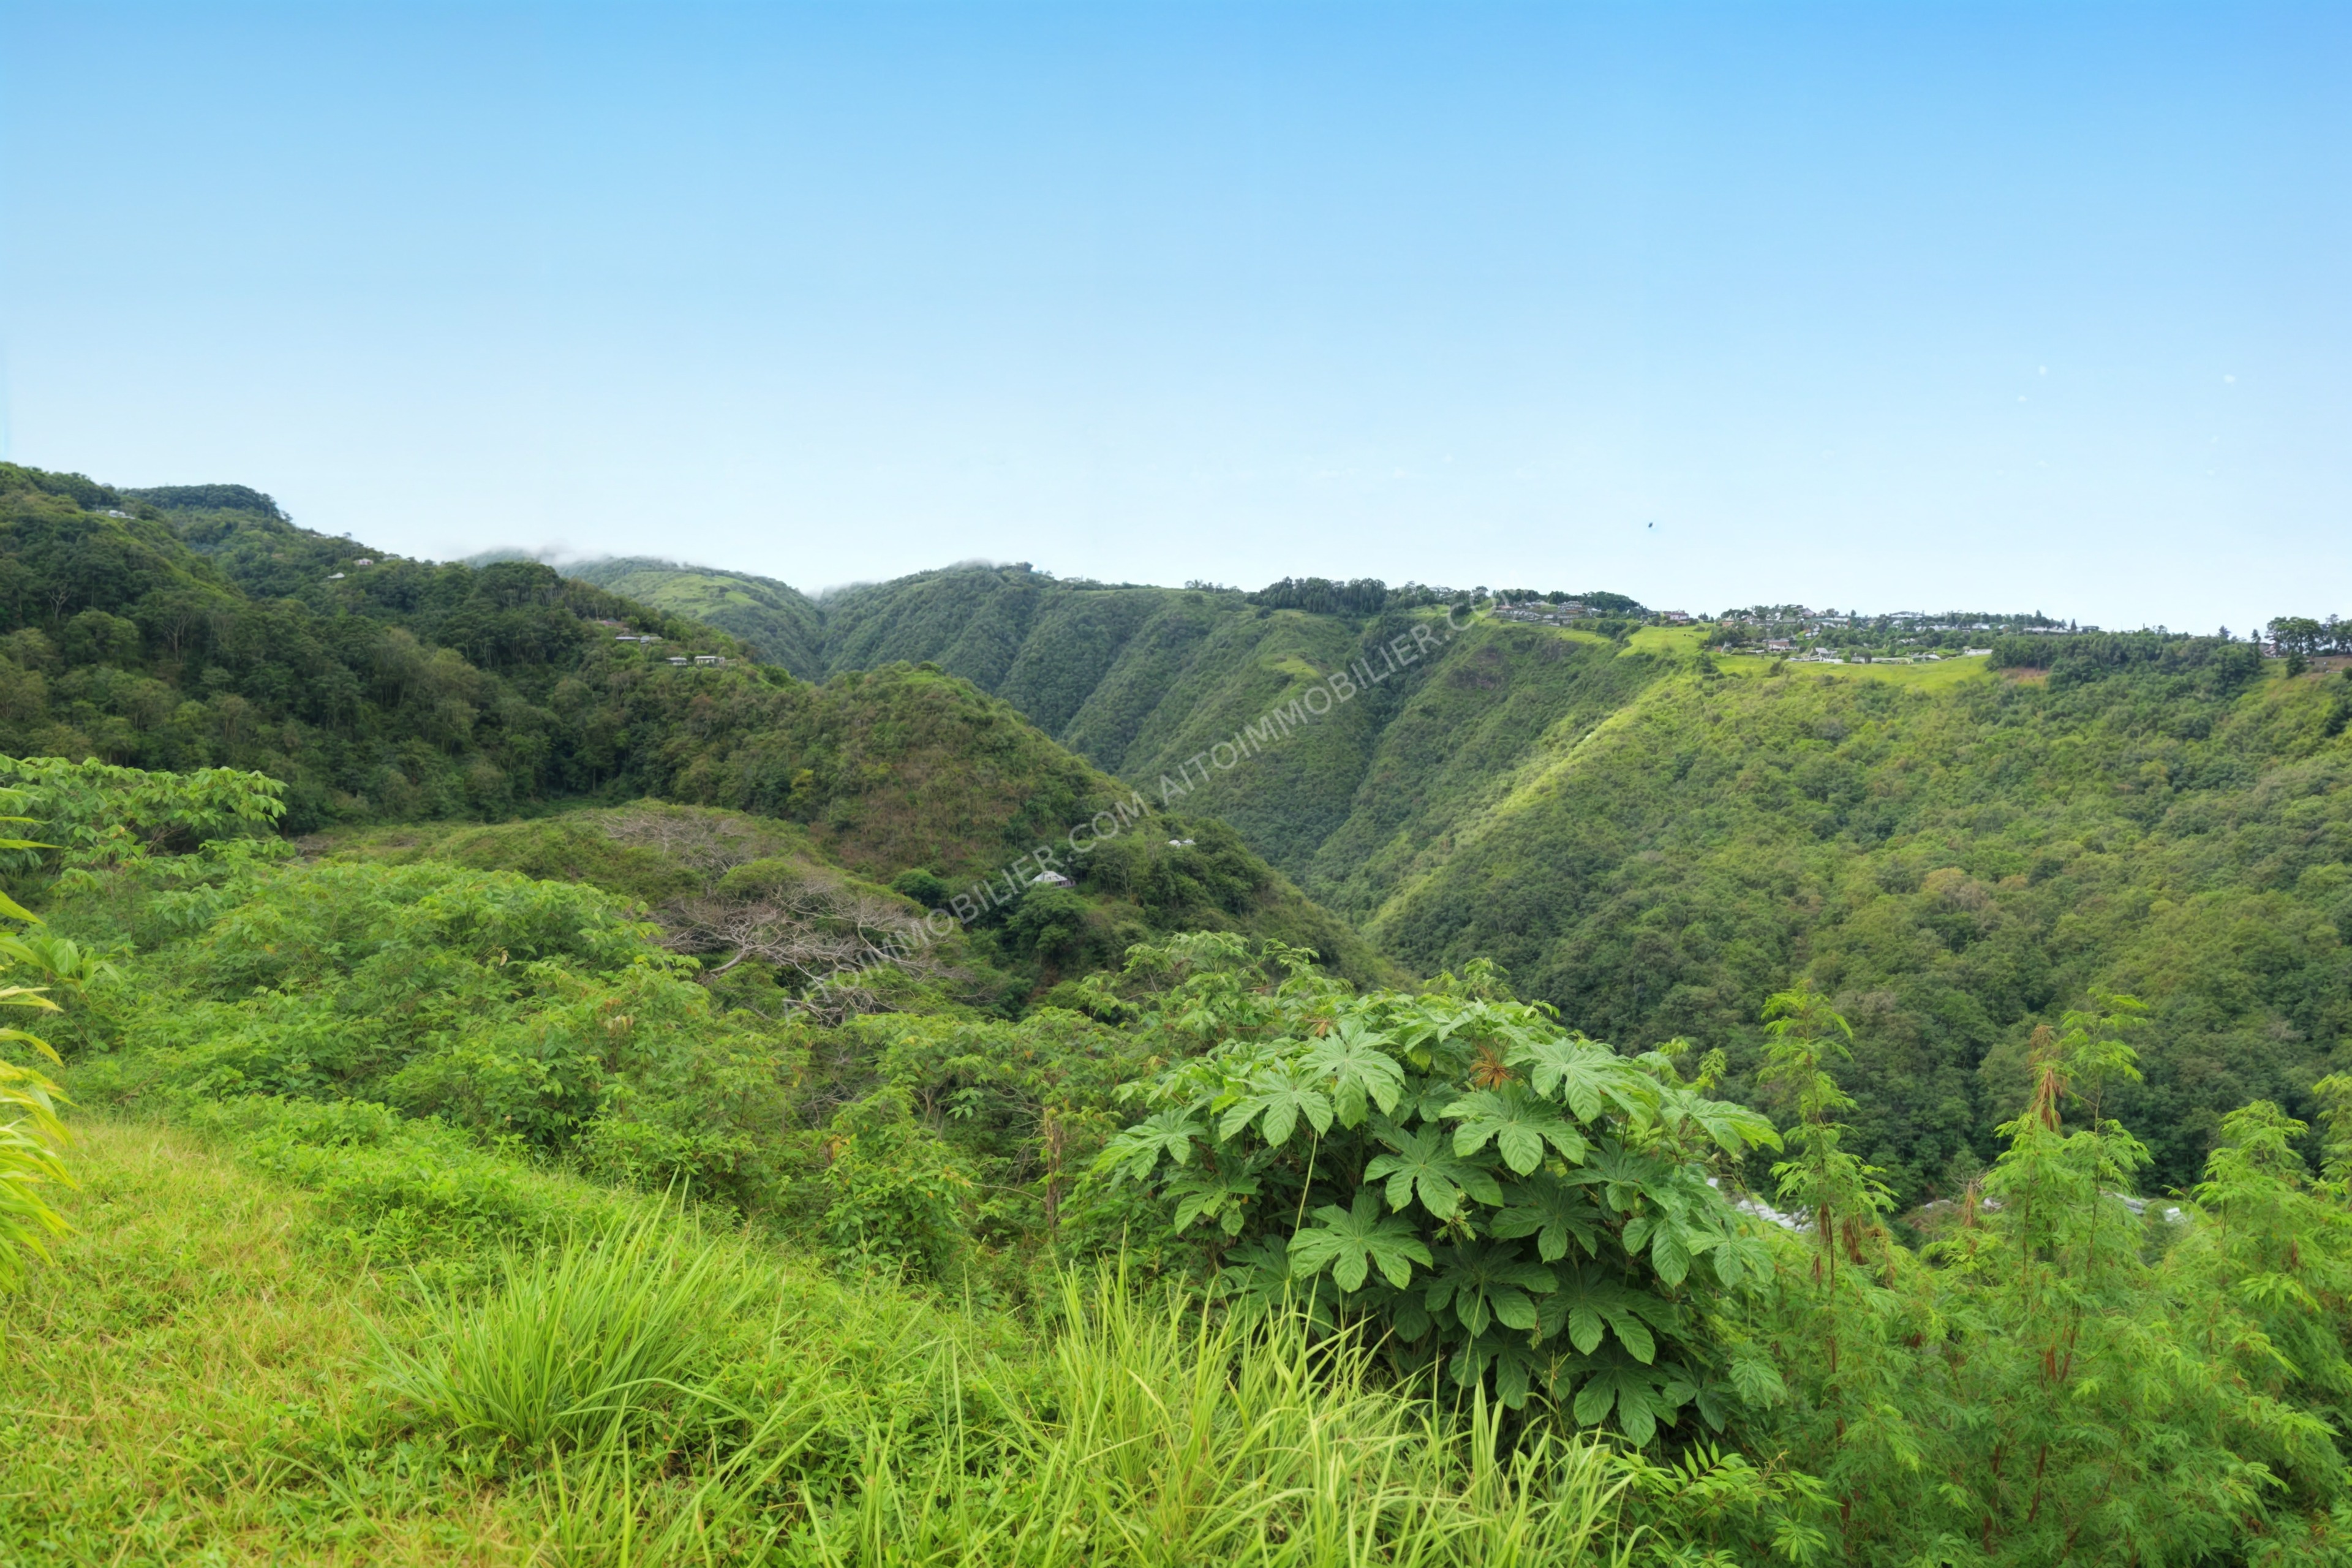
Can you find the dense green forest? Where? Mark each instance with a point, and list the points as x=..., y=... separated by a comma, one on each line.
x=1957, y=864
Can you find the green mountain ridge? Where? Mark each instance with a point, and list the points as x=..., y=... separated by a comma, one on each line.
x=214, y=633
x=1144, y=680
x=773, y=619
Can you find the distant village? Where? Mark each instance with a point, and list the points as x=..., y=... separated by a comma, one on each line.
x=646, y=639
x=1803, y=635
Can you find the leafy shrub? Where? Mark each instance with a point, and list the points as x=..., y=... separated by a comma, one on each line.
x=897, y=1194
x=30, y=1142
x=1500, y=1195
x=32, y=1136
x=919, y=884
x=92, y=815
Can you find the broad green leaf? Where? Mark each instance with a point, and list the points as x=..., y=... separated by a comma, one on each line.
x=1734, y=1129
x=1361, y=1070
x=1276, y=1101
x=1424, y=1165
x=1585, y=1304
x=1552, y=1211
x=1351, y=1242
x=1586, y=1073
x=1641, y=1396
x=1628, y=1179
x=1256, y=1276
x=1756, y=1380
x=1508, y=1355
x=1511, y=1381
x=1739, y=1256
x=1488, y=1283
x=1517, y=1123
x=1134, y=1153
x=1212, y=1195
x=1670, y=1255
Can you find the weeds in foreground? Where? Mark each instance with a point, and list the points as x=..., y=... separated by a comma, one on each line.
x=1159, y=1435
x=192, y=1382
x=577, y=1342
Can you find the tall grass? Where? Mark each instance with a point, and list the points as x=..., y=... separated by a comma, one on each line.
x=576, y=1341
x=1162, y=1435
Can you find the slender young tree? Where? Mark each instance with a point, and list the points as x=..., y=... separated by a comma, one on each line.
x=1843, y=1342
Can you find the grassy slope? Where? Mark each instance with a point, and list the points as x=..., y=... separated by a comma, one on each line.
x=195, y=1381
x=578, y=847
x=164, y=1379
x=1137, y=887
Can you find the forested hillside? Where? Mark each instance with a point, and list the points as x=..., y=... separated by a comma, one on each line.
x=196, y=628
x=1654, y=839
x=1648, y=838
x=1141, y=681
x=775, y=620
x=1957, y=864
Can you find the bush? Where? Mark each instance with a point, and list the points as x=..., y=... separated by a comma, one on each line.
x=897, y=1193
x=1507, y=1201
x=579, y=1341
x=919, y=884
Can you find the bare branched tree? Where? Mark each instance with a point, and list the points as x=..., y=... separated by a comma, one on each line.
x=707, y=844
x=826, y=938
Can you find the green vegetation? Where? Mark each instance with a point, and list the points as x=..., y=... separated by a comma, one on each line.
x=1956, y=866
x=536, y=1101
x=773, y=619
x=216, y=1378
x=1410, y=1117
x=1145, y=682
x=489, y=1234
x=199, y=629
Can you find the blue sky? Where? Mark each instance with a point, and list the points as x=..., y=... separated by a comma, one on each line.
x=1907, y=305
